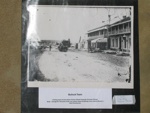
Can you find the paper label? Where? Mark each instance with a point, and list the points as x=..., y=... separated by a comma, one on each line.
x=124, y=100
x=75, y=98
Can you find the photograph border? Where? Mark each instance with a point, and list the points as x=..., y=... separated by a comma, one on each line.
x=88, y=84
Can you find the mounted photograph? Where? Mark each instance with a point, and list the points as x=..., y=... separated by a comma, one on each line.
x=80, y=46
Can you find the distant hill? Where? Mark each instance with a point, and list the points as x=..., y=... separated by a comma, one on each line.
x=48, y=42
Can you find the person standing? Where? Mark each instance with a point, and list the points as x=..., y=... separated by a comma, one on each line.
x=50, y=47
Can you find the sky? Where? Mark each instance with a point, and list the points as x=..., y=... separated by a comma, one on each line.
x=69, y=22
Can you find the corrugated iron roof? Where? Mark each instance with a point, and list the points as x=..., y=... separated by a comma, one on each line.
x=98, y=28
x=121, y=21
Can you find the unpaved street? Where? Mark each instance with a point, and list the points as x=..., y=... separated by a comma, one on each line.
x=73, y=66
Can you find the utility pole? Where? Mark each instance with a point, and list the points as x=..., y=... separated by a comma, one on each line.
x=109, y=19
x=109, y=16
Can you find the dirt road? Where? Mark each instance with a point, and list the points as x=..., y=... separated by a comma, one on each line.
x=76, y=67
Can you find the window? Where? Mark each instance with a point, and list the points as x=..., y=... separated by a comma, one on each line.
x=125, y=42
x=102, y=32
x=112, y=42
x=116, y=42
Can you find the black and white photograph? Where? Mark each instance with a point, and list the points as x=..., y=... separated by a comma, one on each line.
x=80, y=46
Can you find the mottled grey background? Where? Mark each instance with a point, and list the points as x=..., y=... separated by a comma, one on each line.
x=10, y=57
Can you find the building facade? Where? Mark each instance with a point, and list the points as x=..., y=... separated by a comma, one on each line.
x=120, y=35
x=116, y=36
x=83, y=44
x=97, y=38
